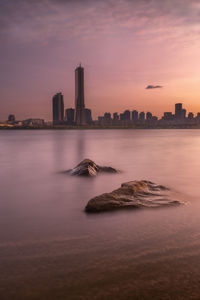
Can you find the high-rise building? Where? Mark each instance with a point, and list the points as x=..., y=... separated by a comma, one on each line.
x=178, y=110
x=121, y=117
x=134, y=115
x=58, y=108
x=148, y=115
x=168, y=116
x=115, y=116
x=127, y=115
x=69, y=115
x=79, y=96
x=183, y=113
x=88, y=116
x=107, y=116
x=190, y=116
x=141, y=115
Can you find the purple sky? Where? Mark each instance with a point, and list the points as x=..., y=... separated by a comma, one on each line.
x=124, y=46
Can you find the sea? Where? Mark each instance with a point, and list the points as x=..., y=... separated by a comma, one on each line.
x=51, y=249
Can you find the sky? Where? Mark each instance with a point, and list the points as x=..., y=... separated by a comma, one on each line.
x=137, y=54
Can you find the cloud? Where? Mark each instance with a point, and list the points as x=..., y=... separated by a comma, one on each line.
x=150, y=87
x=40, y=20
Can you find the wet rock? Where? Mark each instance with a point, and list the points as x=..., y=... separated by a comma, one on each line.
x=88, y=167
x=108, y=169
x=134, y=194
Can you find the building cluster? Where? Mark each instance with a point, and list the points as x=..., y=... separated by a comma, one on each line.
x=72, y=116
x=81, y=116
x=180, y=117
x=126, y=118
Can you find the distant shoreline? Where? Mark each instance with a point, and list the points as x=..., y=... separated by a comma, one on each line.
x=98, y=127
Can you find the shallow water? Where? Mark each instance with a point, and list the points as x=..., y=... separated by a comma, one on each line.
x=51, y=249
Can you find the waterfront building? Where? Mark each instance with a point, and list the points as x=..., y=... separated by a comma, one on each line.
x=69, y=115
x=58, y=108
x=180, y=113
x=168, y=116
x=178, y=110
x=115, y=116
x=127, y=115
x=107, y=116
x=148, y=115
x=141, y=115
x=79, y=96
x=134, y=115
x=33, y=122
x=11, y=118
x=190, y=116
x=100, y=120
x=88, y=115
x=121, y=117
x=183, y=113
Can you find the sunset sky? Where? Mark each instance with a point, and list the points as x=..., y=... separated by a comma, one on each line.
x=124, y=46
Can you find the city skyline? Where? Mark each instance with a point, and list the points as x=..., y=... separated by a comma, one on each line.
x=65, y=118
x=80, y=115
x=146, y=54
x=60, y=113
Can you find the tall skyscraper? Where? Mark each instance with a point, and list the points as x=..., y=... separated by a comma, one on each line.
x=58, y=108
x=79, y=96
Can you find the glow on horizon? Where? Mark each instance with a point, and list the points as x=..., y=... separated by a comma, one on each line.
x=123, y=45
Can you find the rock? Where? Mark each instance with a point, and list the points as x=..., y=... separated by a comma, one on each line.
x=107, y=169
x=133, y=194
x=88, y=167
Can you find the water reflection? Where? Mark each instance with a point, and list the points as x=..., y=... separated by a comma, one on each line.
x=80, y=148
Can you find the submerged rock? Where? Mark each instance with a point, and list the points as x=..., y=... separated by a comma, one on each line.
x=134, y=194
x=88, y=167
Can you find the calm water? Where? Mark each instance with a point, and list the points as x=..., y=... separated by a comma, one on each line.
x=51, y=249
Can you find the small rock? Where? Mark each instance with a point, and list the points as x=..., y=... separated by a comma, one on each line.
x=89, y=168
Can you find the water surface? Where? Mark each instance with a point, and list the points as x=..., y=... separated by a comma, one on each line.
x=51, y=249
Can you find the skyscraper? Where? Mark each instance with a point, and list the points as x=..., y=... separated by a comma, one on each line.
x=79, y=96
x=58, y=108
x=178, y=110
